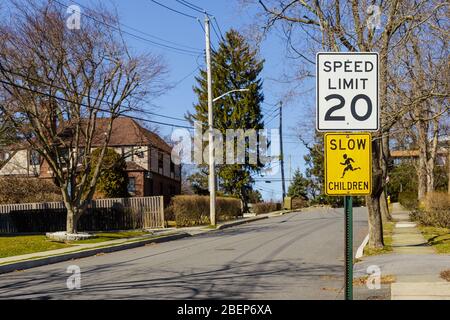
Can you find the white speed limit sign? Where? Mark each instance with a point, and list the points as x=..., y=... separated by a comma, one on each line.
x=347, y=91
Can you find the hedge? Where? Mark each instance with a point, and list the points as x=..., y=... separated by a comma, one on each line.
x=436, y=212
x=265, y=207
x=193, y=210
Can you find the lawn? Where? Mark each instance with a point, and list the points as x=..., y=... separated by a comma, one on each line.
x=18, y=245
x=388, y=228
x=439, y=238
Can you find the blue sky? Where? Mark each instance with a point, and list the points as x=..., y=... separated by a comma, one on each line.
x=148, y=17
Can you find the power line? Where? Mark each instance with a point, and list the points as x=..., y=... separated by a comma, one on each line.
x=150, y=35
x=218, y=27
x=87, y=96
x=91, y=107
x=174, y=10
x=191, y=6
x=175, y=49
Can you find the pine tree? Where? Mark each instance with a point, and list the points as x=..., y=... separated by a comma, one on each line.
x=299, y=186
x=235, y=65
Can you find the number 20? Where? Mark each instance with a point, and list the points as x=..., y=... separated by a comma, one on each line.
x=330, y=117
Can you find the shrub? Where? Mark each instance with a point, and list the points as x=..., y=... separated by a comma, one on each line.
x=265, y=207
x=113, y=179
x=436, y=212
x=437, y=201
x=169, y=215
x=298, y=203
x=28, y=190
x=408, y=199
x=192, y=210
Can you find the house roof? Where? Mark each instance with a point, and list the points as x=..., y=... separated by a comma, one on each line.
x=127, y=132
x=413, y=153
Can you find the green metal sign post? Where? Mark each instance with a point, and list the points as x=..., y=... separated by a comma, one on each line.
x=348, y=208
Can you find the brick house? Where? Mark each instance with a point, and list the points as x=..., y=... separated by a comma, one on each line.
x=148, y=157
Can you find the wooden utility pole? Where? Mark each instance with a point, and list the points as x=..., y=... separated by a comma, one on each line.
x=281, y=152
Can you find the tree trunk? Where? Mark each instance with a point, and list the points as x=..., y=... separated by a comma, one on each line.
x=71, y=222
x=431, y=161
x=448, y=170
x=422, y=169
x=373, y=201
x=385, y=214
x=384, y=207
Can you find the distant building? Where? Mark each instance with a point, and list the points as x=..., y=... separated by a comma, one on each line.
x=148, y=157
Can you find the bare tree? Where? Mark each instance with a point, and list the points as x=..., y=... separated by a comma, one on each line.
x=345, y=26
x=421, y=86
x=56, y=82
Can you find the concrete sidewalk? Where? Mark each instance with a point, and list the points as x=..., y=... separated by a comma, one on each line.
x=84, y=250
x=414, y=264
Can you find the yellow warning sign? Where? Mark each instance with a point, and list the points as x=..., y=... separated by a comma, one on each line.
x=348, y=164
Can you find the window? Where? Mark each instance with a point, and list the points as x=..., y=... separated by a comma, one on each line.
x=4, y=156
x=35, y=158
x=160, y=162
x=161, y=189
x=139, y=153
x=172, y=167
x=132, y=185
x=64, y=156
x=81, y=153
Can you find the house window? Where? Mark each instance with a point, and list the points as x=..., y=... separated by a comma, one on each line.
x=64, y=156
x=160, y=162
x=81, y=153
x=172, y=167
x=139, y=154
x=161, y=189
x=4, y=156
x=132, y=185
x=35, y=158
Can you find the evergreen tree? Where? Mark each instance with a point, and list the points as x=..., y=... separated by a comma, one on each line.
x=299, y=186
x=235, y=65
x=113, y=179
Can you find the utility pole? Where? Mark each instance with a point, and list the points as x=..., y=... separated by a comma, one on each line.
x=290, y=168
x=212, y=179
x=281, y=152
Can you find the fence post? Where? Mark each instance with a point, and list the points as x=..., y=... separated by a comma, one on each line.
x=161, y=211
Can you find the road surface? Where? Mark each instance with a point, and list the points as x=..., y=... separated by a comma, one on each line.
x=295, y=256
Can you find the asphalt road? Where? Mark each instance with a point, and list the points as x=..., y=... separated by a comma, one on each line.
x=295, y=256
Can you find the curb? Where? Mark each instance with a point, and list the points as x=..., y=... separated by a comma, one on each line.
x=232, y=224
x=360, y=251
x=28, y=264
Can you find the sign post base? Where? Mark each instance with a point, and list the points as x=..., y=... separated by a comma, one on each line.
x=348, y=208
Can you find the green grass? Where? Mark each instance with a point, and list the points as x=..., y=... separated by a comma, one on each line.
x=108, y=236
x=19, y=245
x=388, y=228
x=439, y=238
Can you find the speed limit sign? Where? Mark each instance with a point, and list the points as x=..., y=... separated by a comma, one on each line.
x=347, y=91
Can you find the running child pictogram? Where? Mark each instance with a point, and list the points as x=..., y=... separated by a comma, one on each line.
x=348, y=165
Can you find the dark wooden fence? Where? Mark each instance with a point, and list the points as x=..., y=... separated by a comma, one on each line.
x=102, y=215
